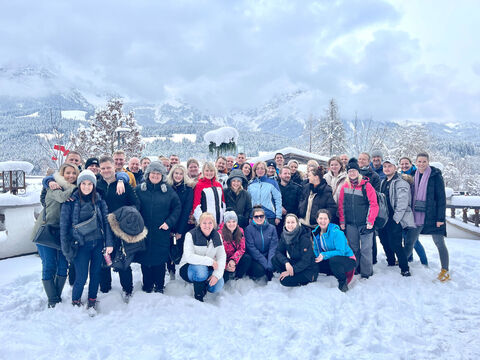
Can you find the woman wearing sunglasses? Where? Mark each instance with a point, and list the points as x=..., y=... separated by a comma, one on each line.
x=261, y=240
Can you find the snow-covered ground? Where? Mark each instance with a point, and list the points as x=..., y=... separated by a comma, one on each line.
x=385, y=317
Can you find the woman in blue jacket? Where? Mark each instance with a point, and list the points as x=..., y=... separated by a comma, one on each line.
x=332, y=253
x=84, y=233
x=261, y=241
x=265, y=192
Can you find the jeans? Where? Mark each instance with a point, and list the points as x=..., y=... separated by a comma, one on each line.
x=439, y=241
x=411, y=240
x=53, y=262
x=361, y=244
x=200, y=273
x=89, y=254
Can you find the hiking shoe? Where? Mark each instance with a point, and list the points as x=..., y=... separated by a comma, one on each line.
x=77, y=303
x=406, y=273
x=443, y=275
x=342, y=286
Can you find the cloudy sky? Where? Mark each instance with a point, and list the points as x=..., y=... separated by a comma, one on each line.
x=392, y=60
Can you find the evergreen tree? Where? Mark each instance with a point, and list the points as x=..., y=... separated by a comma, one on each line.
x=108, y=131
x=331, y=132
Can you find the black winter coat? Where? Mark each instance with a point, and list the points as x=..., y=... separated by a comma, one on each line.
x=113, y=200
x=291, y=195
x=296, y=178
x=322, y=200
x=300, y=252
x=436, y=204
x=241, y=204
x=158, y=204
x=372, y=176
x=185, y=194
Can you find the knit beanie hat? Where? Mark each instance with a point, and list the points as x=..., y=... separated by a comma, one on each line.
x=87, y=175
x=230, y=215
x=156, y=166
x=92, y=161
x=271, y=163
x=377, y=153
x=353, y=164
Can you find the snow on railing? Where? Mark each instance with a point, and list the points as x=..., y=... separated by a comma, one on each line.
x=465, y=203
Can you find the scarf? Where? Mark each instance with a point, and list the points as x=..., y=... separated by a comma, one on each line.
x=354, y=182
x=421, y=194
x=288, y=236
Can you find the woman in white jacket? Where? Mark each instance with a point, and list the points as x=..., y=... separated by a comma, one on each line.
x=203, y=260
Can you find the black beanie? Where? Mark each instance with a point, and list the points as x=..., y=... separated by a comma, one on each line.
x=353, y=164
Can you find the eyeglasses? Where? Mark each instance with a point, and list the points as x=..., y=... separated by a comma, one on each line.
x=258, y=216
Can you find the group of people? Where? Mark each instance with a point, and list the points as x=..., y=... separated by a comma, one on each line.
x=229, y=219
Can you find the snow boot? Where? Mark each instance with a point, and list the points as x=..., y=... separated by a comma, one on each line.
x=172, y=275
x=51, y=292
x=92, y=307
x=126, y=297
x=342, y=285
x=443, y=276
x=77, y=303
x=405, y=273
x=200, y=290
x=59, y=284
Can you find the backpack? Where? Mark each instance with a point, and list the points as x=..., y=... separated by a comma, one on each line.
x=382, y=217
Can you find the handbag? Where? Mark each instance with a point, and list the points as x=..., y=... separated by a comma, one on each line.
x=48, y=234
x=86, y=227
x=121, y=262
x=176, y=250
x=420, y=206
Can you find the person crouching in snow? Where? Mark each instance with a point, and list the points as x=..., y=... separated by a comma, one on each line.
x=294, y=256
x=204, y=258
x=332, y=253
x=237, y=263
x=84, y=232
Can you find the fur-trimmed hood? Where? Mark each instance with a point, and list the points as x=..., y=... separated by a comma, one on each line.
x=131, y=239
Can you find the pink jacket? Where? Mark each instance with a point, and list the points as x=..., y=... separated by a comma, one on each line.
x=234, y=252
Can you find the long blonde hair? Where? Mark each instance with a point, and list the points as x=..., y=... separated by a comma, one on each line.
x=186, y=179
x=360, y=178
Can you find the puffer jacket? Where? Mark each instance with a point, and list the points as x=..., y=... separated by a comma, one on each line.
x=265, y=194
x=70, y=216
x=323, y=200
x=208, y=197
x=234, y=252
x=353, y=208
x=261, y=242
x=401, y=200
x=241, y=203
x=332, y=243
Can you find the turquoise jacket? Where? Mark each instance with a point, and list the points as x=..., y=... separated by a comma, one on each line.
x=332, y=243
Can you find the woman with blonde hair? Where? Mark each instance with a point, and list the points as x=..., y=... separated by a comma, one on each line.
x=296, y=175
x=208, y=194
x=54, y=263
x=204, y=258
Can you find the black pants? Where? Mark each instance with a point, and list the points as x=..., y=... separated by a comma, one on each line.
x=298, y=279
x=256, y=270
x=71, y=274
x=391, y=239
x=241, y=269
x=126, y=280
x=337, y=266
x=153, y=276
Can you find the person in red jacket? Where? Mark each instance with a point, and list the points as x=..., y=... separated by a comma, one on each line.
x=357, y=215
x=238, y=262
x=208, y=194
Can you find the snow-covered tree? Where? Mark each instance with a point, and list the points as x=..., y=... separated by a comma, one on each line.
x=406, y=141
x=331, y=132
x=365, y=135
x=108, y=131
x=222, y=140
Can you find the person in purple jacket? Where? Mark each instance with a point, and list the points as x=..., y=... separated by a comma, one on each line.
x=261, y=241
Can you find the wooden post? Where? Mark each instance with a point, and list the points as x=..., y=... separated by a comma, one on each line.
x=452, y=213
x=465, y=215
x=476, y=217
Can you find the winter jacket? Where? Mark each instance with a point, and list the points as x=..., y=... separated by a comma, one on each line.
x=379, y=171
x=336, y=183
x=200, y=250
x=291, y=194
x=296, y=178
x=410, y=171
x=131, y=178
x=113, y=200
x=436, y=203
x=371, y=176
x=71, y=215
x=265, y=194
x=222, y=179
x=119, y=176
x=323, y=200
x=261, y=242
x=185, y=194
x=53, y=202
x=353, y=208
x=234, y=252
x=400, y=201
x=159, y=204
x=241, y=203
x=298, y=253
x=332, y=243
x=138, y=176
x=208, y=197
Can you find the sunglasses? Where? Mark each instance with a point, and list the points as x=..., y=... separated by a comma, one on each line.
x=258, y=216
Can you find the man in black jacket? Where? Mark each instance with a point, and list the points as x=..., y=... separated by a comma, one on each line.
x=291, y=194
x=107, y=187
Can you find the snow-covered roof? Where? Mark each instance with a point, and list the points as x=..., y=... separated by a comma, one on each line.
x=225, y=135
x=16, y=165
x=289, y=151
x=30, y=198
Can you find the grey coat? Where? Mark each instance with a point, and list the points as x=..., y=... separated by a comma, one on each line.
x=401, y=202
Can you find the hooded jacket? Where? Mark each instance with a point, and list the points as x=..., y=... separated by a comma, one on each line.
x=185, y=194
x=241, y=203
x=336, y=183
x=261, y=242
x=332, y=243
x=353, y=208
x=400, y=200
x=323, y=200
